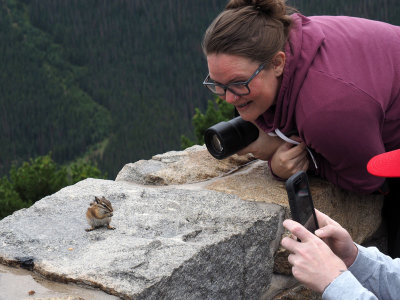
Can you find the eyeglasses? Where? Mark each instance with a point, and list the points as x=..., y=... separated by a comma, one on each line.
x=240, y=88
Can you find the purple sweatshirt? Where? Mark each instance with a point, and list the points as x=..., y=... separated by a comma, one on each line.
x=341, y=90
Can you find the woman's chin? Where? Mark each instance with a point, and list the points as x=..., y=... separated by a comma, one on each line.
x=247, y=117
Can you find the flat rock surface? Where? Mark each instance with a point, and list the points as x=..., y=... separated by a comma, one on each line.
x=169, y=243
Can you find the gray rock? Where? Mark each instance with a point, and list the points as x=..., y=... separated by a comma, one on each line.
x=169, y=242
x=140, y=171
x=192, y=165
x=188, y=226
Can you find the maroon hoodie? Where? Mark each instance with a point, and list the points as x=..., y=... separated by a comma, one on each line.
x=341, y=91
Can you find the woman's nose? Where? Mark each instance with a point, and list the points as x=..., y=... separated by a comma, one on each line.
x=230, y=97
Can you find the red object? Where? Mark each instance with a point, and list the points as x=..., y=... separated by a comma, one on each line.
x=385, y=164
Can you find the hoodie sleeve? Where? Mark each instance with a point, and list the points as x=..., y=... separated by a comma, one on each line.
x=343, y=125
x=347, y=287
x=373, y=275
x=377, y=272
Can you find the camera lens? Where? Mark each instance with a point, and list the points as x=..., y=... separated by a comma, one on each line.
x=227, y=138
x=216, y=143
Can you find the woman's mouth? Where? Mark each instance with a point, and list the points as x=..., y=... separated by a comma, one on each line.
x=243, y=105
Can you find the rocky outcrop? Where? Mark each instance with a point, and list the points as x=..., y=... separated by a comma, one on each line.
x=187, y=227
x=252, y=180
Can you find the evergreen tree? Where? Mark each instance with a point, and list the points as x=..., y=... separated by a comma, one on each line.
x=217, y=111
x=38, y=178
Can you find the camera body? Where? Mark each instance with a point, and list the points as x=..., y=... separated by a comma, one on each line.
x=227, y=138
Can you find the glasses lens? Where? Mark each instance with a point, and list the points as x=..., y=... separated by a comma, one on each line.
x=239, y=89
x=216, y=89
x=219, y=90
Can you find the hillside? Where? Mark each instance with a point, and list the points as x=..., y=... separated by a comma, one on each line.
x=123, y=74
x=42, y=108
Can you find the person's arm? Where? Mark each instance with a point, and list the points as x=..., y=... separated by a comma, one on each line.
x=283, y=158
x=347, y=287
x=373, y=275
x=318, y=268
x=263, y=147
x=370, y=269
x=377, y=272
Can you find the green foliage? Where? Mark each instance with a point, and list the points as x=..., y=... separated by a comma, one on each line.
x=82, y=170
x=42, y=107
x=38, y=178
x=186, y=142
x=142, y=61
x=9, y=199
x=217, y=111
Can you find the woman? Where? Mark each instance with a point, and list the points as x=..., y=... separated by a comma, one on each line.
x=334, y=81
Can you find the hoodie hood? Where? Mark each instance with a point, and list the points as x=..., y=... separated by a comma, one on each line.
x=305, y=39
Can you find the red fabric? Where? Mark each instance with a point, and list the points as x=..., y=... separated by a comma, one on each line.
x=385, y=164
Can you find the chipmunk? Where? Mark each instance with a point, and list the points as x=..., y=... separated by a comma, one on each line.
x=99, y=213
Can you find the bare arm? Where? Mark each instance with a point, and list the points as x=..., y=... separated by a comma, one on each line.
x=263, y=147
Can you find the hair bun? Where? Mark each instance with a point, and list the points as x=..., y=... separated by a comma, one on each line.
x=272, y=8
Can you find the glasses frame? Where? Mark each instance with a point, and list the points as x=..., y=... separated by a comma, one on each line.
x=207, y=83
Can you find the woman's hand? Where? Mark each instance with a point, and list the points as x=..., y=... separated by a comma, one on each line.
x=337, y=238
x=263, y=147
x=313, y=262
x=289, y=159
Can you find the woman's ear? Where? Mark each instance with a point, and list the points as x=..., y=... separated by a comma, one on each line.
x=278, y=63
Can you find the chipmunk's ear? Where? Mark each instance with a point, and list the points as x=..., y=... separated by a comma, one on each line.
x=96, y=199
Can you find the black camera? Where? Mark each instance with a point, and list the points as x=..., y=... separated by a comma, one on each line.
x=227, y=138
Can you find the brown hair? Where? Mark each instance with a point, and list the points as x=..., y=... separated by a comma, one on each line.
x=255, y=29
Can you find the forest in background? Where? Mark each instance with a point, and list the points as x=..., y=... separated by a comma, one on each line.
x=116, y=81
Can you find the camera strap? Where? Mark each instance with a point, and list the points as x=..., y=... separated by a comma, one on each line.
x=286, y=139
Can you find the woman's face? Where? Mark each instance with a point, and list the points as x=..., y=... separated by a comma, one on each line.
x=226, y=68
